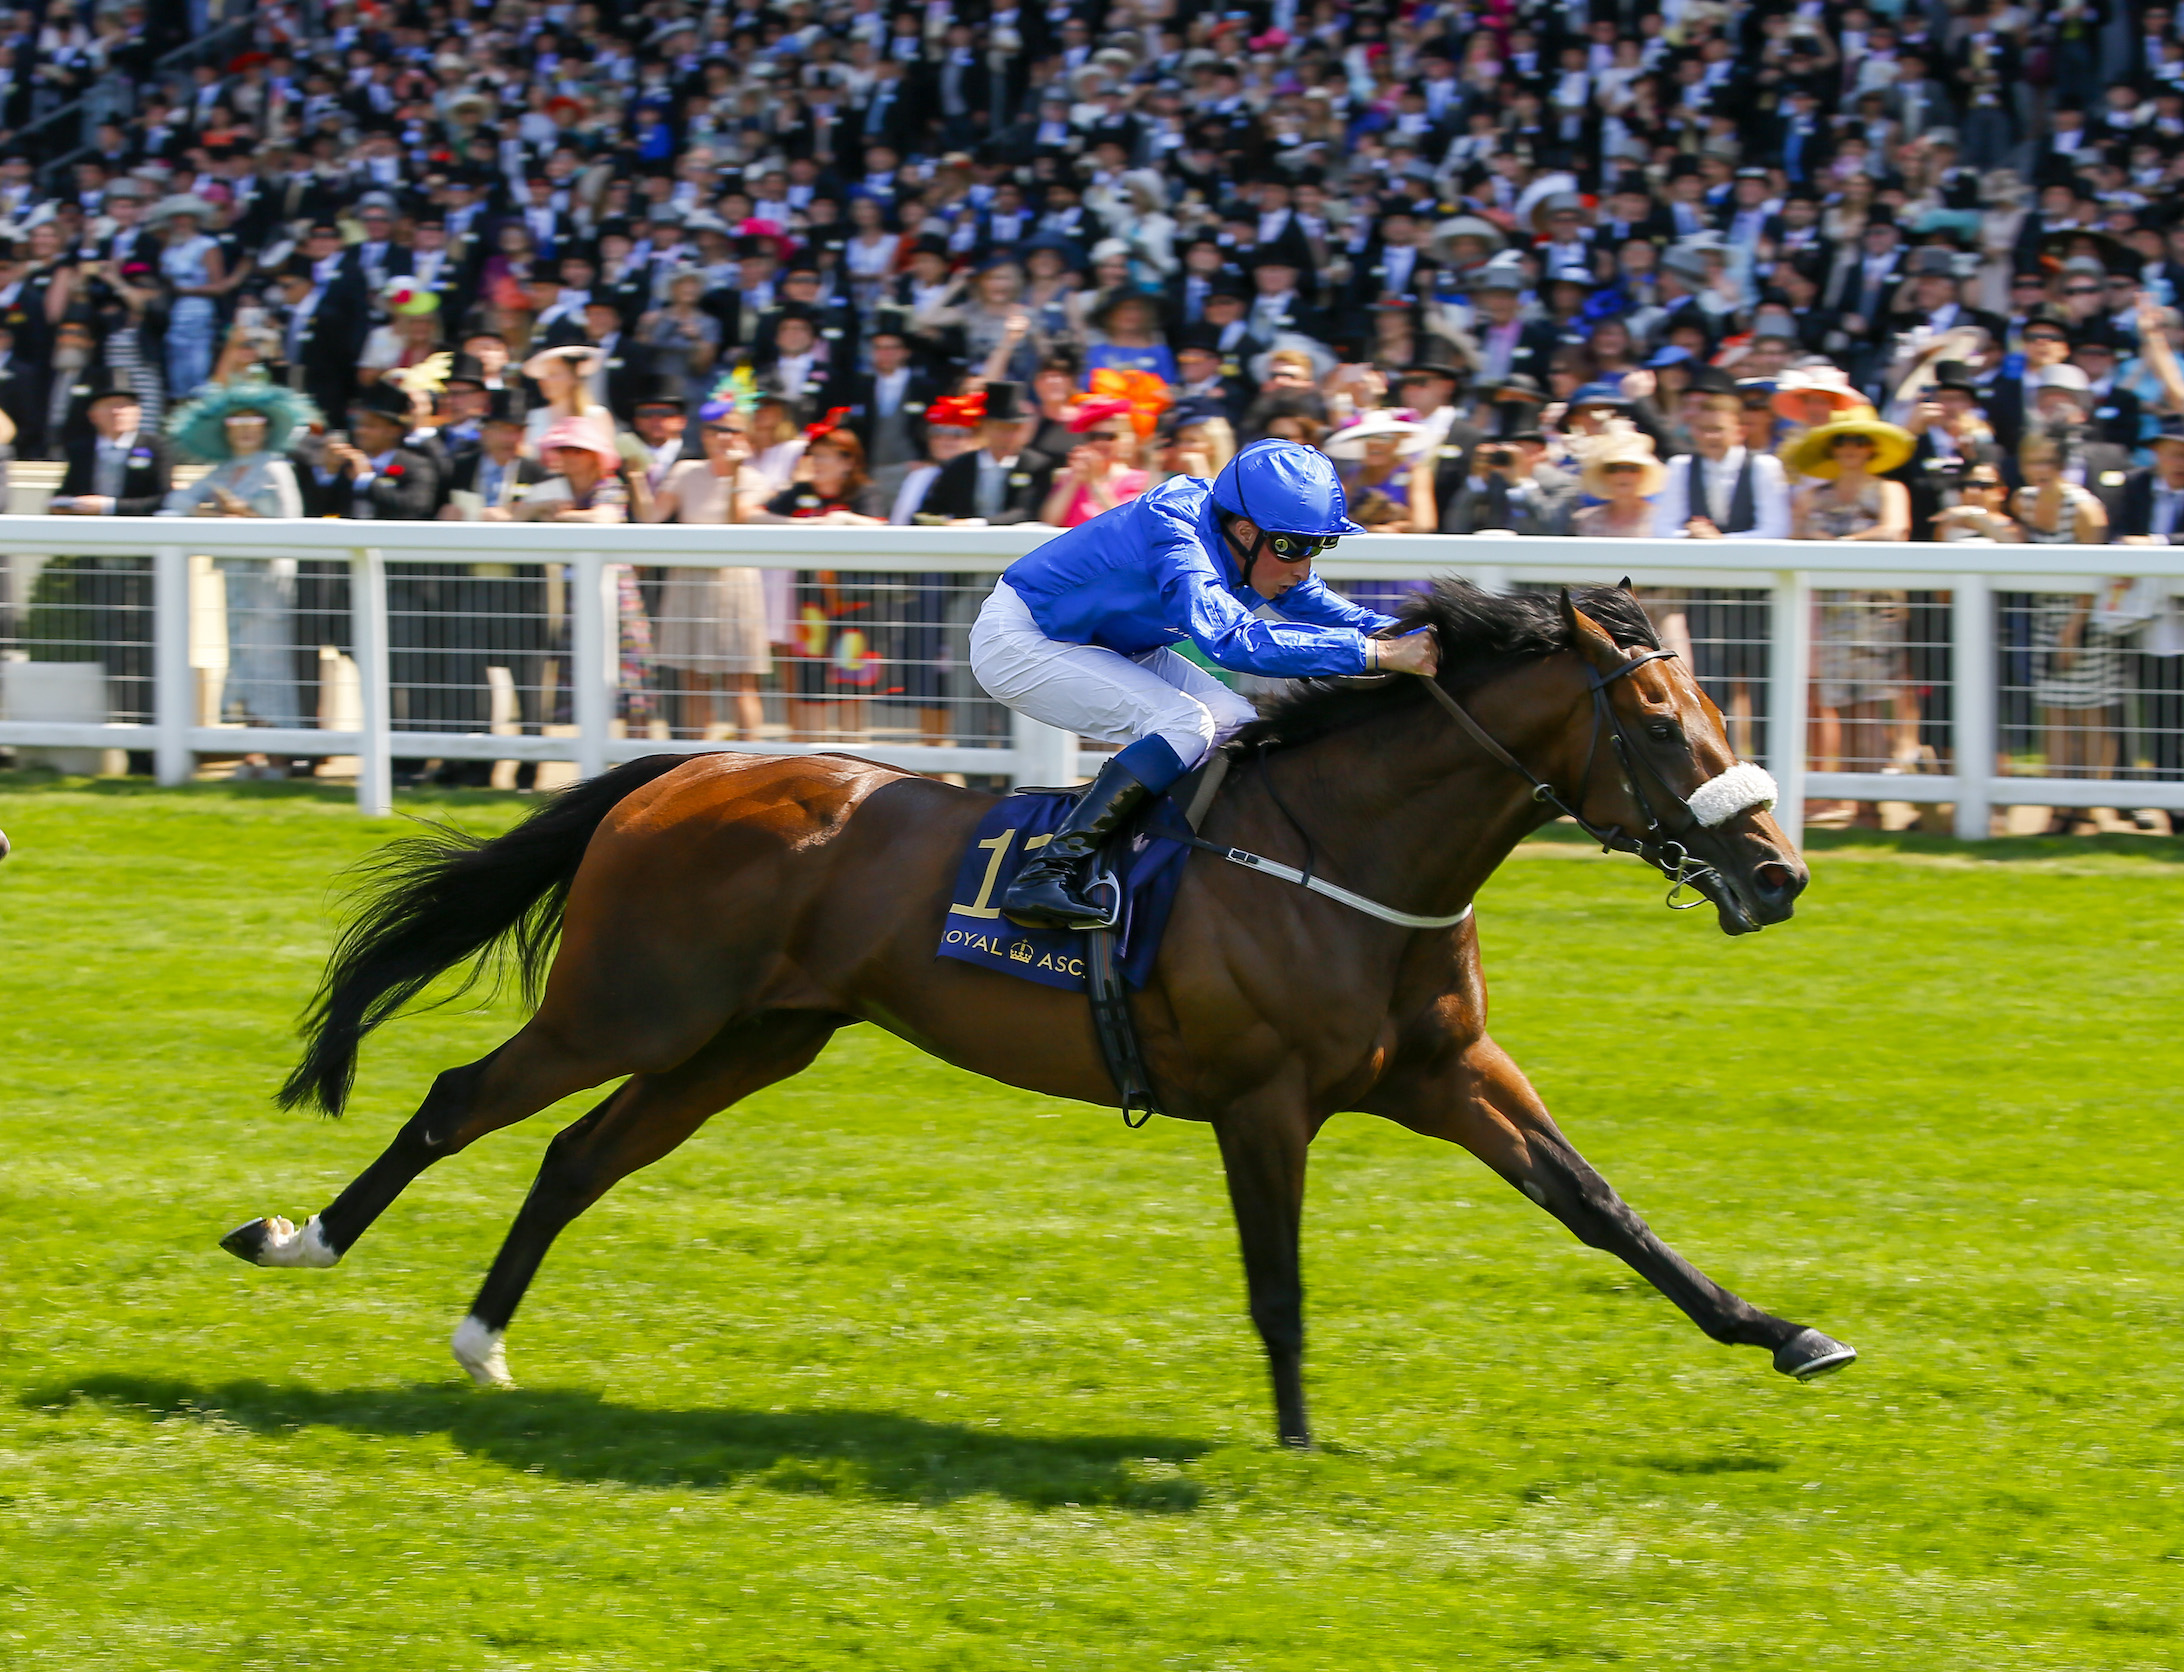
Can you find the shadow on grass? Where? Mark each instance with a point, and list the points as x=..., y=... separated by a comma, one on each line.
x=575, y=1435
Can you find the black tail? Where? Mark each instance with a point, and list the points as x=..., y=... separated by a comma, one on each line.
x=429, y=903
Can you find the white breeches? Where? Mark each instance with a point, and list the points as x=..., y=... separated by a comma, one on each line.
x=1100, y=693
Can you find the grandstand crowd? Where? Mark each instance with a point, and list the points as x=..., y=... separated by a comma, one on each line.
x=1605, y=267
x=1473, y=248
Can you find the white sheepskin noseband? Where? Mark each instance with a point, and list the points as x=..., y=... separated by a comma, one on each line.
x=1743, y=786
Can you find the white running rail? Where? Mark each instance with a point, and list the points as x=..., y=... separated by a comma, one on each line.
x=1967, y=761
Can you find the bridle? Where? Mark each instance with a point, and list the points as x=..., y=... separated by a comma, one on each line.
x=1663, y=845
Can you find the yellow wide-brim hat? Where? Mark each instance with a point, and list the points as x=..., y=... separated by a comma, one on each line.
x=1813, y=453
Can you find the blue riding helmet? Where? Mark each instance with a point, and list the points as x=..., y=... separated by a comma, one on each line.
x=1292, y=492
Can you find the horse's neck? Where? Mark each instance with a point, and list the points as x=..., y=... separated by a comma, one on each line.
x=1401, y=808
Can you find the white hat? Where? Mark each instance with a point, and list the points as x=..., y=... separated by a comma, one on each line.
x=183, y=203
x=1447, y=232
x=1349, y=441
x=2070, y=380
x=1502, y=272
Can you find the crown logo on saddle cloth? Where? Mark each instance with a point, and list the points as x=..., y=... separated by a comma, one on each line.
x=1020, y=951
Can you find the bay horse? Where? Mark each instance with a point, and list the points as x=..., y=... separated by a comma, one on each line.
x=720, y=916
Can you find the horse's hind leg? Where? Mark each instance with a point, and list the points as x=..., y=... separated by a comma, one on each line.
x=642, y=1120
x=1484, y=1103
x=530, y=1072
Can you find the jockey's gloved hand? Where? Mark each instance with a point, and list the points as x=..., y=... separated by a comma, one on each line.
x=1413, y=652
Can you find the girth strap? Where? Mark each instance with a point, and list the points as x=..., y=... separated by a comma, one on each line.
x=1116, y=1030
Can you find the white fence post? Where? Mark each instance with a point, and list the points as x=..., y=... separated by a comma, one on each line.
x=1044, y=754
x=594, y=651
x=1972, y=688
x=375, y=720
x=1788, y=677
x=174, y=688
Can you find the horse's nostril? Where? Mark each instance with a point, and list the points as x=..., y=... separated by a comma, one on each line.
x=1775, y=878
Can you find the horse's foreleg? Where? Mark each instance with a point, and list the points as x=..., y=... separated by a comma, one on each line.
x=1263, y=1145
x=1485, y=1104
x=530, y=1072
x=641, y=1121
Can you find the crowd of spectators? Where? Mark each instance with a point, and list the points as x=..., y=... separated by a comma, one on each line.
x=1163, y=230
x=1707, y=267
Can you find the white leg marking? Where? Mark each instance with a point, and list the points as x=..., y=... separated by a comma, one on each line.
x=287, y=1246
x=478, y=1350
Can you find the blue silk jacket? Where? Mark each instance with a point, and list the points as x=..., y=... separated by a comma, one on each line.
x=1156, y=570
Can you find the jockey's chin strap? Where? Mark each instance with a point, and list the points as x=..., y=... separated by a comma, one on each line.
x=1662, y=845
x=1250, y=559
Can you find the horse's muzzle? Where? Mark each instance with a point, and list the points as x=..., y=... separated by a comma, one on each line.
x=1751, y=892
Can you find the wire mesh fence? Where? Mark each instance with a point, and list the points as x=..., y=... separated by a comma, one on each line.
x=2090, y=686
x=701, y=654
x=1881, y=690
x=76, y=638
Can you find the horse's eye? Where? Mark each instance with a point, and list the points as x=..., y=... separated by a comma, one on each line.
x=1662, y=731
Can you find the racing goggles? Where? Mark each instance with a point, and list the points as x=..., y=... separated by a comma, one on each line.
x=1297, y=548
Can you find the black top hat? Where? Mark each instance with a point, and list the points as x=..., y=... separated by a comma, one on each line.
x=664, y=390
x=1430, y=368
x=384, y=399
x=2048, y=314
x=2172, y=429
x=1954, y=374
x=1205, y=338
x=1518, y=386
x=1711, y=380
x=931, y=243
x=1188, y=411
x=98, y=382
x=1005, y=403
x=466, y=368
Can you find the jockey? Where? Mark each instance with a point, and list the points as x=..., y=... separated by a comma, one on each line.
x=1077, y=635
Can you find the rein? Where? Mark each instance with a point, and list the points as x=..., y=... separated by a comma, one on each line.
x=1289, y=873
x=1661, y=846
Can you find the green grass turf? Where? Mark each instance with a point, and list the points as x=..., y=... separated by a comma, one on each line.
x=893, y=1367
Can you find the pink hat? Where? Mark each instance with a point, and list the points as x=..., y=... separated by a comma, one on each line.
x=584, y=433
x=1097, y=411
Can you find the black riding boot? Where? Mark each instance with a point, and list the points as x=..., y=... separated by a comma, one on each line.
x=1052, y=890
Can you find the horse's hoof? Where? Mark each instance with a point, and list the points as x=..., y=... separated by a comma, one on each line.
x=1808, y=1353
x=478, y=1350
x=275, y=1242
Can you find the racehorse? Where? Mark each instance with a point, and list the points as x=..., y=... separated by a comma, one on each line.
x=720, y=916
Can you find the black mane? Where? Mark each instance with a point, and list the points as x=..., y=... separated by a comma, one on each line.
x=1483, y=635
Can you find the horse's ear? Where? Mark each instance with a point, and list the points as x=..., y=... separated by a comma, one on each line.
x=1624, y=583
x=1589, y=639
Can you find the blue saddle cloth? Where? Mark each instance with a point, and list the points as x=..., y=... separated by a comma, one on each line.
x=1149, y=867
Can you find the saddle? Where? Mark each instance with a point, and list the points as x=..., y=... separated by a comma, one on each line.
x=1146, y=863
